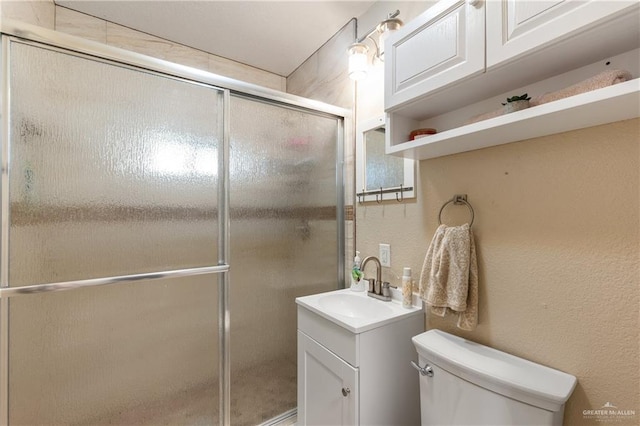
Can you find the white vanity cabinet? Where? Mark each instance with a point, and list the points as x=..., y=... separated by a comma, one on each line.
x=355, y=372
x=479, y=52
x=329, y=386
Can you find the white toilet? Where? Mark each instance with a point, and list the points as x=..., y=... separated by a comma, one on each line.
x=465, y=383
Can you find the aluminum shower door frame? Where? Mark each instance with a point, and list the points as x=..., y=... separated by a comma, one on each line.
x=18, y=31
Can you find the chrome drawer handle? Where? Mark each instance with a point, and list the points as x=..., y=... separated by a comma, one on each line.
x=425, y=371
x=346, y=391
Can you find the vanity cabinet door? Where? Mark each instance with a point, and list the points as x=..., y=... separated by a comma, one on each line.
x=518, y=27
x=439, y=47
x=327, y=386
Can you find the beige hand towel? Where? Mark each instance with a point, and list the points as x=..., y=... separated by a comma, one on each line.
x=449, y=279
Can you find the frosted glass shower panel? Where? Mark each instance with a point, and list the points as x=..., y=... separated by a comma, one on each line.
x=282, y=157
x=133, y=354
x=284, y=237
x=113, y=170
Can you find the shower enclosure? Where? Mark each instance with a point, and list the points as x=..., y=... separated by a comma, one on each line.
x=157, y=224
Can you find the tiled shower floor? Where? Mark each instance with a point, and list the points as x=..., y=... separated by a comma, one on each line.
x=257, y=395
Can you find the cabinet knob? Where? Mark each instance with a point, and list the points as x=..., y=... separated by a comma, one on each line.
x=473, y=2
x=346, y=391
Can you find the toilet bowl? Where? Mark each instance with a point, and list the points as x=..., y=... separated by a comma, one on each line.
x=465, y=383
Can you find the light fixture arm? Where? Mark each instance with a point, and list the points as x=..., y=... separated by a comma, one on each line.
x=358, y=50
x=375, y=43
x=375, y=28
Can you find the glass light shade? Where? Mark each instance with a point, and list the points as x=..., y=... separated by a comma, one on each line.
x=358, y=61
x=385, y=28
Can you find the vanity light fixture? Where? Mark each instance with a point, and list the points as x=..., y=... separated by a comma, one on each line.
x=358, y=51
x=385, y=28
x=358, y=58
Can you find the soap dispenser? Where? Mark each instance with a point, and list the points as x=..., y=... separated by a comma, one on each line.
x=357, y=283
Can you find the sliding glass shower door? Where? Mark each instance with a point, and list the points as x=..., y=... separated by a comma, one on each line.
x=284, y=244
x=156, y=230
x=112, y=177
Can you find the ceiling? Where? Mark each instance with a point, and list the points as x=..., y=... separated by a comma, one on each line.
x=275, y=36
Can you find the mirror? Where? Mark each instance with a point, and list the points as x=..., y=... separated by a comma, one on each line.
x=380, y=177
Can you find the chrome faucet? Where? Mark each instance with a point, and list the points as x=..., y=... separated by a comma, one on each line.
x=378, y=280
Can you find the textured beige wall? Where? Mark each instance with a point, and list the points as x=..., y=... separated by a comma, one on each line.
x=557, y=228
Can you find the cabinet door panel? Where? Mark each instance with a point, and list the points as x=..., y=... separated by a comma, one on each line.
x=444, y=44
x=322, y=377
x=516, y=27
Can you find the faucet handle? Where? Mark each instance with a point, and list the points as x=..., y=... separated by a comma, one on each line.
x=377, y=287
x=385, y=289
x=372, y=284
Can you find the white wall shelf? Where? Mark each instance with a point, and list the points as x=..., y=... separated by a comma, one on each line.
x=610, y=104
x=555, y=46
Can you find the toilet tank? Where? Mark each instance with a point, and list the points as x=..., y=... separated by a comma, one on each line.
x=473, y=384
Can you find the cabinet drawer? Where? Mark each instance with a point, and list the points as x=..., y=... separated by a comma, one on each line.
x=444, y=44
x=335, y=338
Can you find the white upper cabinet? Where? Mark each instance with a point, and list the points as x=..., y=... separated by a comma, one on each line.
x=461, y=59
x=444, y=44
x=517, y=27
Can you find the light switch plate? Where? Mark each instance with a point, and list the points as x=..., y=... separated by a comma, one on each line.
x=385, y=255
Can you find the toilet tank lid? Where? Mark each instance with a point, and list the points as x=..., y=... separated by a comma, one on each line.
x=498, y=371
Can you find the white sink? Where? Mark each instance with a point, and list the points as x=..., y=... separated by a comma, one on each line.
x=354, y=306
x=356, y=311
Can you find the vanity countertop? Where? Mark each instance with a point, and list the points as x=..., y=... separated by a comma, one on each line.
x=356, y=311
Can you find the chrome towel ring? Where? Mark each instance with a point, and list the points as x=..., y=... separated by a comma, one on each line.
x=457, y=199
